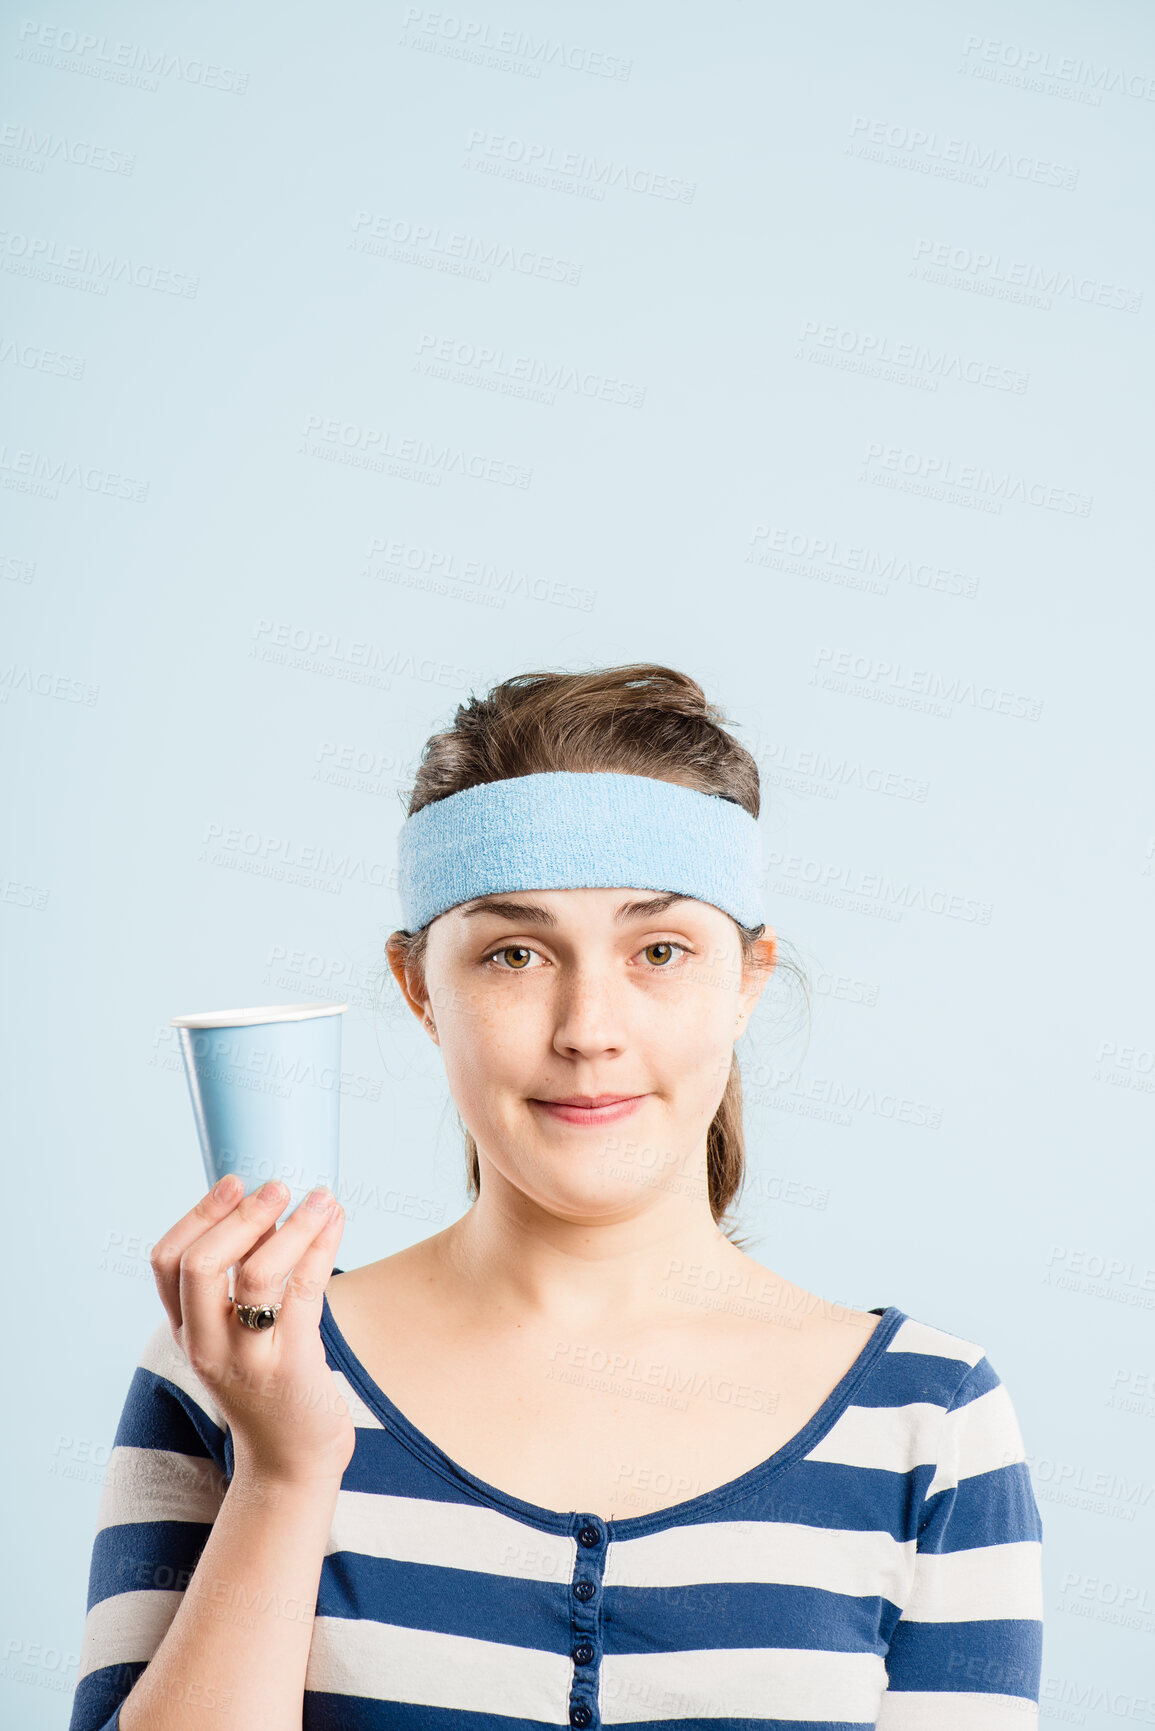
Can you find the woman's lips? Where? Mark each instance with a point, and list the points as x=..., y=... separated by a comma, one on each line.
x=609, y=1113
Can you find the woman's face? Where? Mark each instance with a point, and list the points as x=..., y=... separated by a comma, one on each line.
x=540, y=997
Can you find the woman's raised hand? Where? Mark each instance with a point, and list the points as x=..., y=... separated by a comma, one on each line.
x=288, y=1420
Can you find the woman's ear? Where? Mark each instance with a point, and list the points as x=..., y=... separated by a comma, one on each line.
x=409, y=977
x=757, y=974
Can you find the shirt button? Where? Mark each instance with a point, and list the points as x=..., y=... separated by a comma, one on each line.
x=589, y=1536
x=583, y=1654
x=580, y=1714
x=584, y=1589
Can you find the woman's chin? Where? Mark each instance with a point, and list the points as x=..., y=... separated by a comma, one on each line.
x=589, y=1196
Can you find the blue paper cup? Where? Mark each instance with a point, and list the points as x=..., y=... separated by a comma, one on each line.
x=265, y=1086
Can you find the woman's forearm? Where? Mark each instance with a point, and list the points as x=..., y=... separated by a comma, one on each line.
x=235, y=1654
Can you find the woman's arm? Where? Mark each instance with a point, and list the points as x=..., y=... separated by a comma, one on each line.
x=202, y=1587
x=965, y=1655
x=204, y=1575
x=236, y=1652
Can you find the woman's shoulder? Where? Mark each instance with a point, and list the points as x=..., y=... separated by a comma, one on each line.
x=952, y=1394
x=403, y=1273
x=925, y=1401
x=886, y=1358
x=397, y=1295
x=952, y=1368
x=163, y=1368
x=930, y=1341
x=887, y=1341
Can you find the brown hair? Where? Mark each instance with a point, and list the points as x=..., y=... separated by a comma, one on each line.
x=640, y=719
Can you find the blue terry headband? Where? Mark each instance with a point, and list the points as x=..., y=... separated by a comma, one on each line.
x=569, y=829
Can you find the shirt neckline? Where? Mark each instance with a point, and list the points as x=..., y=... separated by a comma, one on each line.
x=629, y=1526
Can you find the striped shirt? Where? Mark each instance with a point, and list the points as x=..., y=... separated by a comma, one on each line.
x=881, y=1569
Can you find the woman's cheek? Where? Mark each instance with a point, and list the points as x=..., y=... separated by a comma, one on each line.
x=484, y=1063
x=709, y=1058
x=703, y=1023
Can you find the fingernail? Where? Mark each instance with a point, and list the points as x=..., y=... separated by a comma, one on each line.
x=319, y=1200
x=224, y=1187
x=270, y=1192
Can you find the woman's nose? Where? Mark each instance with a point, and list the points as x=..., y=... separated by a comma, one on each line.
x=588, y=1018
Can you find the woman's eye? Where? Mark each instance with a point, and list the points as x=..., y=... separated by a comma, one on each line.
x=517, y=958
x=516, y=954
x=652, y=952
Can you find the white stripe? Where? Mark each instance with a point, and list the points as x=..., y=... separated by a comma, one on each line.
x=142, y=1484
x=423, y=1668
x=835, y=1560
x=968, y=1586
x=913, y=1336
x=741, y=1683
x=941, y=1710
x=449, y=1536
x=164, y=1358
x=362, y=1418
x=895, y=1438
x=125, y=1629
x=977, y=1438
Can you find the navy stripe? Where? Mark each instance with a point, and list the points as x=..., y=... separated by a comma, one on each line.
x=380, y=1459
x=325, y=1712
x=902, y=1378
x=720, y=1614
x=100, y=1696
x=519, y=1613
x=159, y=1415
x=828, y=1494
x=978, y=1381
x=996, y=1657
x=753, y=1724
x=137, y=1556
x=995, y=1508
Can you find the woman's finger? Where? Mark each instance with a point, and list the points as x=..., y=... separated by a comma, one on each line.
x=166, y=1255
x=242, y=1261
x=261, y=1274
x=204, y=1270
x=301, y=1316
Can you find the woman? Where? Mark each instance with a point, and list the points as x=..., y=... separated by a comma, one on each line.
x=577, y=1459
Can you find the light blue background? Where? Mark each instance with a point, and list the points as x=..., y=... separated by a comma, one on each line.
x=833, y=152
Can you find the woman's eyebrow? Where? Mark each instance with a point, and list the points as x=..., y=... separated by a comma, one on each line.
x=524, y=913
x=645, y=910
x=531, y=913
